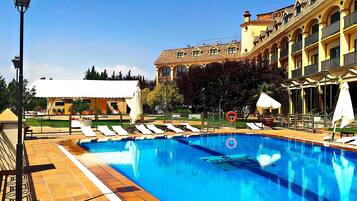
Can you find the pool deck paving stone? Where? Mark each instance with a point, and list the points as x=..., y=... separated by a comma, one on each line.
x=67, y=182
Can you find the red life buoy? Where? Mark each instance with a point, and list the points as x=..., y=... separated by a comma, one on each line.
x=229, y=116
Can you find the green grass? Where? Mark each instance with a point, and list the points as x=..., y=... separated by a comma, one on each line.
x=352, y=130
x=65, y=123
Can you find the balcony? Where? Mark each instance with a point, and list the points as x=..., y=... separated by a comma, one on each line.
x=274, y=58
x=313, y=38
x=331, y=29
x=350, y=19
x=296, y=73
x=297, y=46
x=283, y=53
x=311, y=69
x=331, y=63
x=350, y=58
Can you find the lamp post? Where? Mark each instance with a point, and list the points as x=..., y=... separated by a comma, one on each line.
x=22, y=6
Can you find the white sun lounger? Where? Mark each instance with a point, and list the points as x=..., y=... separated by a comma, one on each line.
x=87, y=131
x=346, y=139
x=173, y=128
x=252, y=126
x=155, y=129
x=106, y=131
x=191, y=128
x=120, y=130
x=143, y=129
x=353, y=143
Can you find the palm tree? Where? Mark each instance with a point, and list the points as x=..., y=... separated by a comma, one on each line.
x=264, y=88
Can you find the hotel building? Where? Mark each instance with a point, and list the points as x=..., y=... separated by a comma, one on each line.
x=314, y=40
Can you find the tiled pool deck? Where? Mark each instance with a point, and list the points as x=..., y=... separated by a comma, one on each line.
x=67, y=182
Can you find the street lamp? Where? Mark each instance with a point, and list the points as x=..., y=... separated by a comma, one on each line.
x=22, y=6
x=16, y=62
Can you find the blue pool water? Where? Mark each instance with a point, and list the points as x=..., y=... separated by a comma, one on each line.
x=233, y=167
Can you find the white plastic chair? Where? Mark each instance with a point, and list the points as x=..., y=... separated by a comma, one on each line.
x=87, y=131
x=106, y=131
x=120, y=130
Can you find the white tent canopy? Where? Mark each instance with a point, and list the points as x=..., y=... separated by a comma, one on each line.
x=344, y=109
x=266, y=102
x=128, y=89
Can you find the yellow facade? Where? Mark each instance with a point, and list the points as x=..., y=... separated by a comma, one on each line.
x=101, y=106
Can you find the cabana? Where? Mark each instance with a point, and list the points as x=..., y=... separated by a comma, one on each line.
x=267, y=102
x=101, y=91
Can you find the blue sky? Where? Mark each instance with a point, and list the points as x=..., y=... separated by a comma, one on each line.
x=64, y=38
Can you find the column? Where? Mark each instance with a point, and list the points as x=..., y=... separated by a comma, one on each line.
x=303, y=101
x=343, y=39
x=279, y=49
x=304, y=55
x=157, y=75
x=269, y=55
x=290, y=102
x=321, y=47
x=291, y=64
x=172, y=73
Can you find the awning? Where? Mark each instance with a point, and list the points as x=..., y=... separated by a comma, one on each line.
x=267, y=102
x=85, y=88
x=128, y=89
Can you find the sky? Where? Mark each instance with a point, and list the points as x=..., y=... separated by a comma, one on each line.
x=63, y=38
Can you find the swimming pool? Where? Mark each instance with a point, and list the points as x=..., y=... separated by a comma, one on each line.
x=233, y=167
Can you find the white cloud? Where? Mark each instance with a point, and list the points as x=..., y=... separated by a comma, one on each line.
x=125, y=69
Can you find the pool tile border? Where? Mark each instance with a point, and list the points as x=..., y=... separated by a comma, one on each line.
x=123, y=187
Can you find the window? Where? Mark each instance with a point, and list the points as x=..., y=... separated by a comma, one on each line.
x=299, y=37
x=59, y=104
x=213, y=51
x=165, y=71
x=315, y=28
x=298, y=64
x=298, y=9
x=180, y=70
x=179, y=54
x=232, y=50
x=335, y=17
x=355, y=43
x=335, y=52
x=286, y=18
x=196, y=53
x=314, y=59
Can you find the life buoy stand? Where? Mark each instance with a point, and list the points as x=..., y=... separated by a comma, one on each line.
x=231, y=116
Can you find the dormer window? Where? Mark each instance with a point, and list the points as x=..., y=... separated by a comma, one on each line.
x=286, y=18
x=196, y=53
x=232, y=50
x=213, y=51
x=180, y=54
x=298, y=9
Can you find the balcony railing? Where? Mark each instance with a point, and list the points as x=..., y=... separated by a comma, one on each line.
x=311, y=69
x=274, y=58
x=350, y=19
x=331, y=63
x=331, y=29
x=350, y=58
x=297, y=46
x=313, y=38
x=283, y=53
x=296, y=73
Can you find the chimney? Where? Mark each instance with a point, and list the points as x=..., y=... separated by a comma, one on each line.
x=247, y=16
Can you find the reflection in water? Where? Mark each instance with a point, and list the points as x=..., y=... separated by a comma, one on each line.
x=128, y=157
x=267, y=157
x=344, y=171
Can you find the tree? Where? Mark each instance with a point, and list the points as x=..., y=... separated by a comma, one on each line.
x=166, y=96
x=79, y=106
x=4, y=94
x=230, y=85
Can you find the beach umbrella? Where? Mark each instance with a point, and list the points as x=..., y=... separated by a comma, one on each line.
x=344, y=109
x=344, y=171
x=267, y=102
x=135, y=105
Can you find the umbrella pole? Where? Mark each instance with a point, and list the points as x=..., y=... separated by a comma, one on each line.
x=334, y=130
